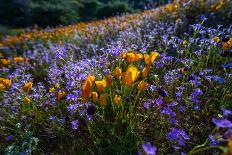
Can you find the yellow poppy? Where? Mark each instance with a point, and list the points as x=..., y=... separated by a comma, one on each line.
x=145, y=71
x=87, y=86
x=149, y=59
x=230, y=145
x=18, y=59
x=27, y=86
x=216, y=39
x=94, y=96
x=109, y=80
x=5, y=61
x=5, y=82
x=117, y=72
x=133, y=57
x=227, y=44
x=51, y=90
x=60, y=95
x=2, y=87
x=100, y=85
x=103, y=101
x=184, y=42
x=131, y=75
x=27, y=100
x=117, y=99
x=142, y=85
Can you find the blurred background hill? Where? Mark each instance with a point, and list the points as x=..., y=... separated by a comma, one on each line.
x=43, y=13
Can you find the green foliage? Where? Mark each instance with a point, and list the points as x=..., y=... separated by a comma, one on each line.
x=24, y=13
x=26, y=144
x=113, y=8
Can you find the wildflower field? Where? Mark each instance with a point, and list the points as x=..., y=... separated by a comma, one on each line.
x=157, y=82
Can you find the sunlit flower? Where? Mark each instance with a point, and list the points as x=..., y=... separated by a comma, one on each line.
x=51, y=90
x=117, y=99
x=133, y=56
x=60, y=96
x=5, y=82
x=87, y=86
x=109, y=80
x=27, y=100
x=117, y=72
x=149, y=59
x=2, y=87
x=230, y=145
x=5, y=61
x=94, y=96
x=184, y=42
x=100, y=85
x=227, y=44
x=130, y=76
x=142, y=85
x=103, y=101
x=145, y=71
x=184, y=70
x=216, y=39
x=18, y=59
x=27, y=86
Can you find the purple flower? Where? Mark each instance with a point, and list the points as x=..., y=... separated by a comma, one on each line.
x=159, y=101
x=146, y=105
x=226, y=112
x=216, y=78
x=178, y=135
x=149, y=149
x=222, y=123
x=9, y=137
x=168, y=111
x=173, y=121
x=228, y=65
x=72, y=108
x=181, y=108
x=53, y=118
x=212, y=140
x=74, y=124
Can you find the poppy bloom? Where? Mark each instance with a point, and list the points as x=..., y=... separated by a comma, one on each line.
x=149, y=59
x=133, y=57
x=142, y=85
x=2, y=87
x=100, y=85
x=103, y=101
x=216, y=39
x=5, y=82
x=18, y=59
x=51, y=90
x=60, y=95
x=5, y=61
x=27, y=86
x=184, y=70
x=87, y=86
x=226, y=44
x=130, y=76
x=109, y=80
x=230, y=145
x=94, y=96
x=27, y=100
x=117, y=72
x=184, y=42
x=145, y=71
x=117, y=99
